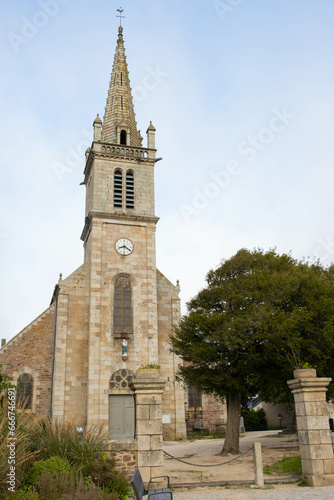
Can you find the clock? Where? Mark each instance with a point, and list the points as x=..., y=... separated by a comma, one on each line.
x=124, y=246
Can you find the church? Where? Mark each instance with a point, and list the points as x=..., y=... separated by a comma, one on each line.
x=115, y=312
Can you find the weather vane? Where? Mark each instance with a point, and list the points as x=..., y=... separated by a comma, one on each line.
x=120, y=10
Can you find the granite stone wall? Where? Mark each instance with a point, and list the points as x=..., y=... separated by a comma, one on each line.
x=30, y=351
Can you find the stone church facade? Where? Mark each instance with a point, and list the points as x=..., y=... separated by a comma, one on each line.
x=114, y=313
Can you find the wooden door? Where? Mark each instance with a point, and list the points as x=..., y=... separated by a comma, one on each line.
x=121, y=417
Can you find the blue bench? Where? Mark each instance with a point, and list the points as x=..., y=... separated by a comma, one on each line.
x=153, y=494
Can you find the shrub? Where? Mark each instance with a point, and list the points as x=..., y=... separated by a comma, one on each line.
x=53, y=486
x=61, y=486
x=31, y=494
x=62, y=457
x=255, y=420
x=61, y=439
x=26, y=426
x=51, y=465
x=103, y=472
x=150, y=366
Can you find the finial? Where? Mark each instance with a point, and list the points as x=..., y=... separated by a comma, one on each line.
x=151, y=127
x=120, y=10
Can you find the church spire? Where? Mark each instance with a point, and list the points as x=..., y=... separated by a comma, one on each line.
x=119, y=123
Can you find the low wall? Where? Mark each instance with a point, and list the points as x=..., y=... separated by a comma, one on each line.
x=212, y=414
x=272, y=412
x=125, y=454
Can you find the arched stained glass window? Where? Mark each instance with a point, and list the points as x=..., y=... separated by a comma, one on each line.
x=123, y=306
x=118, y=188
x=194, y=397
x=24, y=396
x=130, y=191
x=121, y=379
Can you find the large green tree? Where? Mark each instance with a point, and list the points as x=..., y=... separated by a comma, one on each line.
x=260, y=316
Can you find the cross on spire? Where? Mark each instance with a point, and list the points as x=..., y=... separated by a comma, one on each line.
x=120, y=10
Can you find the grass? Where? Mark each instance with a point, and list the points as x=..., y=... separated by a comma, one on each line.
x=26, y=427
x=303, y=482
x=60, y=439
x=198, y=472
x=213, y=435
x=281, y=436
x=288, y=465
x=275, y=436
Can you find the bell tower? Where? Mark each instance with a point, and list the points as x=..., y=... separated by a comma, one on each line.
x=119, y=173
x=119, y=243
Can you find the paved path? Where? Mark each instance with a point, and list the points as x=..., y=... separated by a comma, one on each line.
x=278, y=493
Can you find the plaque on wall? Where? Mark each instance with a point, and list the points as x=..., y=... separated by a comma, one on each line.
x=166, y=418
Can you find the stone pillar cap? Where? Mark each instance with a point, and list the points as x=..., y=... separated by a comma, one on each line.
x=308, y=384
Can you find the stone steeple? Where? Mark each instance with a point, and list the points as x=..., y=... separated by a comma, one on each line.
x=119, y=123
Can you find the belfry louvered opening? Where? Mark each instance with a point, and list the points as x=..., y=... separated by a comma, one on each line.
x=118, y=189
x=123, y=137
x=130, y=191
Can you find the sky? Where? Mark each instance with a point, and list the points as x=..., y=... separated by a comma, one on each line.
x=241, y=94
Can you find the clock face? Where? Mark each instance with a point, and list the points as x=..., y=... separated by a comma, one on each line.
x=124, y=246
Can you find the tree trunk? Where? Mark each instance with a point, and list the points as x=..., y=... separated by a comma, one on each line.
x=231, y=444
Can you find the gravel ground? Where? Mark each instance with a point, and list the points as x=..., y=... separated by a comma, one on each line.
x=207, y=451
x=279, y=492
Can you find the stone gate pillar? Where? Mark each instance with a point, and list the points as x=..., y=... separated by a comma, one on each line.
x=148, y=388
x=315, y=442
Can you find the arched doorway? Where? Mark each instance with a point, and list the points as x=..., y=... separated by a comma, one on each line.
x=121, y=406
